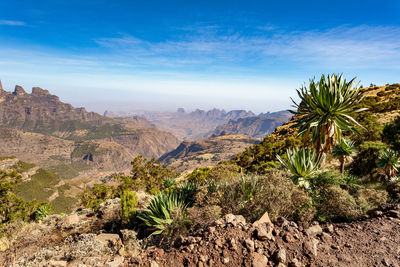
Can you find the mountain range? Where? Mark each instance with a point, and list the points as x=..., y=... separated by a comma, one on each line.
x=200, y=124
x=39, y=128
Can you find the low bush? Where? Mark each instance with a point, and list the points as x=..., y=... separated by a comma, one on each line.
x=391, y=133
x=369, y=198
x=129, y=203
x=147, y=175
x=253, y=195
x=365, y=163
x=94, y=196
x=393, y=188
x=336, y=204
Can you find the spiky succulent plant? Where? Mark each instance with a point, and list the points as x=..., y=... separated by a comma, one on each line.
x=325, y=110
x=302, y=164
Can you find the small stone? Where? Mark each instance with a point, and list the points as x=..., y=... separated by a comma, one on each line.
x=326, y=237
x=264, y=231
x=280, y=255
x=117, y=262
x=200, y=264
x=226, y=260
x=310, y=247
x=71, y=220
x=264, y=219
x=294, y=263
x=154, y=264
x=108, y=239
x=288, y=237
x=329, y=228
x=218, y=243
x=4, y=243
x=258, y=260
x=211, y=229
x=313, y=230
x=393, y=214
x=334, y=247
x=249, y=244
x=281, y=221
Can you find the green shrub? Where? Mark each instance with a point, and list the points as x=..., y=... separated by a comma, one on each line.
x=129, y=203
x=253, y=195
x=369, y=198
x=365, y=163
x=199, y=175
x=169, y=183
x=147, y=175
x=260, y=157
x=302, y=164
x=336, y=204
x=22, y=166
x=12, y=207
x=158, y=215
x=389, y=161
x=42, y=211
x=391, y=133
x=224, y=171
x=94, y=196
x=393, y=188
x=372, y=130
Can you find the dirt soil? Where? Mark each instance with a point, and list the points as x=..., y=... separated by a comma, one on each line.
x=83, y=240
x=373, y=241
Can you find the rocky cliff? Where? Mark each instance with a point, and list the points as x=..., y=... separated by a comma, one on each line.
x=207, y=152
x=256, y=126
x=39, y=128
x=188, y=126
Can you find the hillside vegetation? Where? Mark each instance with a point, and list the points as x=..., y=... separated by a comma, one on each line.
x=336, y=161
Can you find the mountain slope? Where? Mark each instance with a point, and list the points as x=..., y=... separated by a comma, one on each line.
x=206, y=152
x=39, y=128
x=383, y=105
x=258, y=126
x=188, y=126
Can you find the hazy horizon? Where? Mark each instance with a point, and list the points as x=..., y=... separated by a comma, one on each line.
x=154, y=55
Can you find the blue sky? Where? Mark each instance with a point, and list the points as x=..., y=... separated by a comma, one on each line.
x=127, y=55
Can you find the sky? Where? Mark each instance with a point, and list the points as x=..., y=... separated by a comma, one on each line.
x=160, y=55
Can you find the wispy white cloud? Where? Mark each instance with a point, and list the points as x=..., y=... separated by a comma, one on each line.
x=12, y=23
x=343, y=46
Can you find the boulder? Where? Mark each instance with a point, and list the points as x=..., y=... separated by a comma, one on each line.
x=313, y=230
x=264, y=231
x=258, y=260
x=110, y=239
x=264, y=219
x=280, y=255
x=110, y=209
x=4, y=243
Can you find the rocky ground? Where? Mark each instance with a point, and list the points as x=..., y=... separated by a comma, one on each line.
x=92, y=239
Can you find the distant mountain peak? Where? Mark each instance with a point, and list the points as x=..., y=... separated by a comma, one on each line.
x=39, y=91
x=19, y=90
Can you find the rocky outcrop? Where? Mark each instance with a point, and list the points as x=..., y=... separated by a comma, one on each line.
x=207, y=152
x=39, y=128
x=86, y=238
x=188, y=126
x=257, y=126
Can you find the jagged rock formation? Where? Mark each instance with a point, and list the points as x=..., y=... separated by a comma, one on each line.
x=207, y=152
x=257, y=126
x=39, y=128
x=188, y=126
